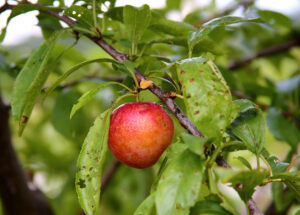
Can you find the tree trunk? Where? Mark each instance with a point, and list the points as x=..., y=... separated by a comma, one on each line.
x=16, y=196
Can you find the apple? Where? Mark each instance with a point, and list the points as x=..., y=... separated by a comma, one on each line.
x=139, y=133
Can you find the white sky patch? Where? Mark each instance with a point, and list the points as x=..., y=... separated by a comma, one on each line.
x=139, y=3
x=283, y=6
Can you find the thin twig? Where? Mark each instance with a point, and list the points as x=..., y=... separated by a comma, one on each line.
x=236, y=64
x=6, y=7
x=109, y=174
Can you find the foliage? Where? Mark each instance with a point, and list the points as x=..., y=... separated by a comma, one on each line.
x=247, y=113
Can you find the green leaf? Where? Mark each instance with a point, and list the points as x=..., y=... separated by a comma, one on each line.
x=276, y=19
x=208, y=207
x=83, y=15
x=282, y=200
x=74, y=129
x=90, y=164
x=245, y=162
x=206, y=96
x=18, y=10
x=282, y=128
x=173, y=4
x=30, y=81
x=48, y=24
x=196, y=36
x=249, y=127
x=160, y=24
x=277, y=166
x=136, y=21
x=73, y=69
x=244, y=182
x=244, y=105
x=195, y=144
x=179, y=185
x=147, y=206
x=86, y=97
x=116, y=13
x=291, y=179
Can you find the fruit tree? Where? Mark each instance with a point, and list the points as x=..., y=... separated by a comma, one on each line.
x=190, y=107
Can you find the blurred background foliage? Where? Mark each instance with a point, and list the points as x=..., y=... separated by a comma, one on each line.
x=51, y=142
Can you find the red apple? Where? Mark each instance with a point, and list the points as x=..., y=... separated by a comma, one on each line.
x=139, y=133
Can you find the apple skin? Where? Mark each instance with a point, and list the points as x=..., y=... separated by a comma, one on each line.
x=139, y=133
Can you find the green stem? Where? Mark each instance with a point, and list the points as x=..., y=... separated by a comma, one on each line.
x=120, y=98
x=257, y=162
x=95, y=15
x=127, y=88
x=268, y=165
x=270, y=180
x=131, y=71
x=292, y=163
x=247, y=208
x=218, y=150
x=85, y=31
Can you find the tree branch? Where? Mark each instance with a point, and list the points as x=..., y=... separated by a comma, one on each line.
x=15, y=193
x=109, y=173
x=236, y=64
x=6, y=7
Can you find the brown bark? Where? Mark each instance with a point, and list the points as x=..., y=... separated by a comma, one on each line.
x=16, y=196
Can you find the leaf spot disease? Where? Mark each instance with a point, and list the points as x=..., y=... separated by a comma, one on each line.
x=81, y=183
x=24, y=119
x=182, y=72
x=196, y=112
x=192, y=80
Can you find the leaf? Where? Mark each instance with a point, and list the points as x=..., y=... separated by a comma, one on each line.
x=30, y=81
x=86, y=97
x=208, y=207
x=173, y=4
x=196, y=36
x=249, y=127
x=136, y=21
x=116, y=13
x=144, y=84
x=90, y=164
x=48, y=24
x=83, y=15
x=160, y=24
x=276, y=19
x=245, y=162
x=74, y=129
x=206, y=96
x=195, y=144
x=277, y=166
x=244, y=182
x=17, y=10
x=179, y=185
x=282, y=128
x=73, y=69
x=291, y=179
x=282, y=200
x=147, y=206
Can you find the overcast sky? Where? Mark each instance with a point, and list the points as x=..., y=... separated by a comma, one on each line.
x=24, y=26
